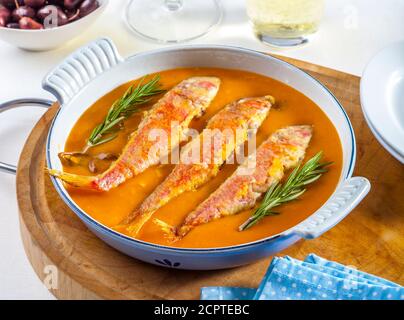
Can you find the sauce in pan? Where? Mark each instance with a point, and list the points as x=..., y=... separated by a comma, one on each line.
x=292, y=108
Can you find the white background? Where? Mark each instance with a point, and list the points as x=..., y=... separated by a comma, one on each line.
x=351, y=33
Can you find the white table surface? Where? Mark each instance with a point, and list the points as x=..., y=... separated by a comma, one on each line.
x=351, y=33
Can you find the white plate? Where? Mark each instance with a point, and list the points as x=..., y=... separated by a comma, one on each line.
x=384, y=143
x=382, y=98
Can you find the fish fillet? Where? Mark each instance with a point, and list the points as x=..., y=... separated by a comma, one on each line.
x=187, y=100
x=283, y=150
x=233, y=121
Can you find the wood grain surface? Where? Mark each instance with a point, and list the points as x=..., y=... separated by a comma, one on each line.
x=371, y=238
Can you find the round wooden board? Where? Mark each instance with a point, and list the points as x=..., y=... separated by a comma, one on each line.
x=77, y=265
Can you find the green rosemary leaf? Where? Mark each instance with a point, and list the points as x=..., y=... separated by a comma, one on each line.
x=122, y=109
x=294, y=186
x=106, y=139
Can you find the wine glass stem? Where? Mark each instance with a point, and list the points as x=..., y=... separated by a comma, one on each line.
x=173, y=5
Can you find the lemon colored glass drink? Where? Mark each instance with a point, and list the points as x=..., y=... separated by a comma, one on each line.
x=285, y=22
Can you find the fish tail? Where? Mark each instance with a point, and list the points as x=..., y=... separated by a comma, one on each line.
x=169, y=230
x=74, y=179
x=140, y=220
x=132, y=224
x=271, y=99
x=121, y=228
x=131, y=217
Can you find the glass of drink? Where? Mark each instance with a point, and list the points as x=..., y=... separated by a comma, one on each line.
x=285, y=23
x=172, y=21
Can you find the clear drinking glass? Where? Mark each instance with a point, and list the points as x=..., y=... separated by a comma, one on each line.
x=285, y=23
x=173, y=21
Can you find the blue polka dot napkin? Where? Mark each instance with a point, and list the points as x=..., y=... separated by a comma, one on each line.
x=312, y=279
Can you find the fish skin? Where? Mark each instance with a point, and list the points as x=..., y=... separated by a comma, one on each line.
x=244, y=115
x=187, y=100
x=282, y=151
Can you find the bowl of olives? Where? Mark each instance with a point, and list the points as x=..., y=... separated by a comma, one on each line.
x=40, y=25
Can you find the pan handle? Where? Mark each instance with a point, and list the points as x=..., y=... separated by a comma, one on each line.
x=34, y=102
x=67, y=79
x=341, y=203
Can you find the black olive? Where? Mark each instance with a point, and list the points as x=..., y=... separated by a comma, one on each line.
x=35, y=3
x=71, y=4
x=10, y=4
x=13, y=25
x=47, y=11
x=87, y=7
x=5, y=15
x=29, y=23
x=23, y=11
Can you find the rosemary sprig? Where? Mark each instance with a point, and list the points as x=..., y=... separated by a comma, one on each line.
x=292, y=189
x=122, y=109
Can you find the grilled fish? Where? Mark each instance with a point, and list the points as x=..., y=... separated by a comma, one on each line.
x=187, y=100
x=231, y=125
x=283, y=150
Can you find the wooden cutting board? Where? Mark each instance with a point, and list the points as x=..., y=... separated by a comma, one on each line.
x=74, y=264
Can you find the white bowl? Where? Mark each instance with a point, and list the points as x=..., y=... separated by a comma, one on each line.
x=97, y=68
x=48, y=39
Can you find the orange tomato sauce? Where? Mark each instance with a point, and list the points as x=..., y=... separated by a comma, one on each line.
x=293, y=108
